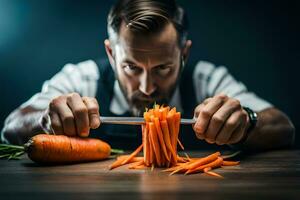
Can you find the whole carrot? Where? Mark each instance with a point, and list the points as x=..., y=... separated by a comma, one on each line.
x=54, y=149
x=60, y=149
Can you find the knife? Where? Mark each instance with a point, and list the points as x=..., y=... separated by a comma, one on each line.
x=136, y=120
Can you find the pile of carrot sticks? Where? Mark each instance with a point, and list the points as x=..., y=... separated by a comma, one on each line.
x=160, y=140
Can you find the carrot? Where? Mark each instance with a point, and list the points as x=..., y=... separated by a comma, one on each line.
x=163, y=113
x=181, y=168
x=230, y=163
x=215, y=163
x=117, y=163
x=161, y=137
x=203, y=161
x=177, y=117
x=146, y=144
x=181, y=159
x=214, y=174
x=57, y=149
x=135, y=164
x=159, y=144
x=121, y=159
x=180, y=144
x=151, y=151
x=207, y=171
x=132, y=155
x=156, y=111
x=139, y=167
x=172, y=168
x=147, y=116
x=171, y=126
x=154, y=141
x=166, y=134
x=135, y=159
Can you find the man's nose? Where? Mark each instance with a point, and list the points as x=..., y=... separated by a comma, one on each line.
x=147, y=86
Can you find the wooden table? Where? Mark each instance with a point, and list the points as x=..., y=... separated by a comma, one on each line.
x=274, y=175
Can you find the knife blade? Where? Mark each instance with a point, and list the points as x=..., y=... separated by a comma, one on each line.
x=136, y=120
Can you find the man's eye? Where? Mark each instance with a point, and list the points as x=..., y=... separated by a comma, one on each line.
x=131, y=69
x=163, y=71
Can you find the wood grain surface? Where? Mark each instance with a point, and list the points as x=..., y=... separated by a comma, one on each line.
x=273, y=175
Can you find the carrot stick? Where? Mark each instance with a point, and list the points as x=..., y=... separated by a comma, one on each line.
x=173, y=110
x=207, y=171
x=152, y=167
x=146, y=148
x=147, y=116
x=139, y=167
x=156, y=107
x=166, y=134
x=203, y=161
x=133, y=154
x=214, y=174
x=138, y=163
x=155, y=143
x=151, y=150
x=163, y=159
x=138, y=158
x=187, y=156
x=180, y=159
x=177, y=117
x=159, y=143
x=171, y=126
x=117, y=163
x=156, y=112
x=164, y=112
x=171, y=168
x=180, y=144
x=215, y=163
x=120, y=159
x=161, y=138
x=230, y=163
x=181, y=168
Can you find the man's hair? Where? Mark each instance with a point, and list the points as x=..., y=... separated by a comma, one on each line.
x=146, y=17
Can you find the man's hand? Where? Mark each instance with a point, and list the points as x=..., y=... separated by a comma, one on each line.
x=221, y=120
x=73, y=115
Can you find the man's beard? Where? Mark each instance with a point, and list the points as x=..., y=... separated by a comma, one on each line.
x=138, y=102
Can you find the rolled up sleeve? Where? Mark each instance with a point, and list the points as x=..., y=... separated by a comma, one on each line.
x=216, y=80
x=81, y=78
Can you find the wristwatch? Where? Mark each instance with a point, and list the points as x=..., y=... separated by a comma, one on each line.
x=252, y=117
x=253, y=120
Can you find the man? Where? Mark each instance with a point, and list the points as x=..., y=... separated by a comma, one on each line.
x=147, y=50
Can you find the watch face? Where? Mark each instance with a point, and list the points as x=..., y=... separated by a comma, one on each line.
x=255, y=115
x=252, y=116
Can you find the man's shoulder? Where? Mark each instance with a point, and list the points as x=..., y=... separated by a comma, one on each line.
x=87, y=68
x=201, y=69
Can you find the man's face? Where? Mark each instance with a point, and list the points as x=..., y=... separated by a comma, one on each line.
x=147, y=67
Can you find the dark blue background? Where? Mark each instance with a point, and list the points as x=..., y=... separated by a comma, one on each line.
x=257, y=40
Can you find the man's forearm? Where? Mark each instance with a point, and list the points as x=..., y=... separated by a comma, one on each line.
x=273, y=130
x=21, y=125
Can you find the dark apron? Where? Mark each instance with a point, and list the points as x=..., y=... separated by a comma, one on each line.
x=129, y=136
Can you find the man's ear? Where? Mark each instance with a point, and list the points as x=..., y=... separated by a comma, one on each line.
x=186, y=50
x=109, y=53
